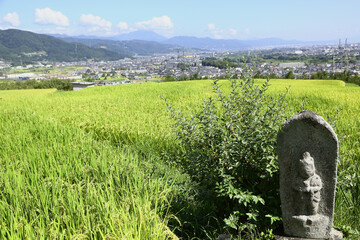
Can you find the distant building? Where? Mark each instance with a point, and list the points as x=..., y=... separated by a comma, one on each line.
x=22, y=76
x=77, y=86
x=292, y=65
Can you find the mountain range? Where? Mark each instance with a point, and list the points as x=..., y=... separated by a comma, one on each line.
x=137, y=35
x=19, y=46
x=128, y=47
x=196, y=42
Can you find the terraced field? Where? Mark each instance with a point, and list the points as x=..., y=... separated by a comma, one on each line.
x=88, y=164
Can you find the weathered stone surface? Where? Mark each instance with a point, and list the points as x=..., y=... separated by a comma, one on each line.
x=224, y=237
x=334, y=235
x=308, y=156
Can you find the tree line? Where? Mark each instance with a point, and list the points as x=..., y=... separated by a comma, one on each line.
x=222, y=64
x=59, y=84
x=323, y=75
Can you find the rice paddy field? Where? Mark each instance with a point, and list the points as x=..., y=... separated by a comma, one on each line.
x=51, y=70
x=87, y=164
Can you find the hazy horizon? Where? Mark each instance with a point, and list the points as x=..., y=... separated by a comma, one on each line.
x=244, y=20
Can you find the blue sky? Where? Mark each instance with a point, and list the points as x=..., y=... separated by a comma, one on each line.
x=308, y=20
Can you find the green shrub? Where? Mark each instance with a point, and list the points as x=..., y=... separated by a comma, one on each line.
x=229, y=149
x=59, y=84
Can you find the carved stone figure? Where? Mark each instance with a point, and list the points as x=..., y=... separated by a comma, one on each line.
x=307, y=185
x=308, y=155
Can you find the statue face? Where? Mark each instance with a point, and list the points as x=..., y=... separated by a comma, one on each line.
x=306, y=166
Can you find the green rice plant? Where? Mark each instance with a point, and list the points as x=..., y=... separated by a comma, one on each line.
x=57, y=182
x=81, y=142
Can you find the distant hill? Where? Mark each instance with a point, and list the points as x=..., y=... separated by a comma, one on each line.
x=148, y=42
x=188, y=42
x=137, y=35
x=207, y=43
x=22, y=46
x=130, y=47
x=230, y=44
x=140, y=35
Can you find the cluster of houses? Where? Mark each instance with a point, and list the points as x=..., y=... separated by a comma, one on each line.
x=177, y=66
x=184, y=66
x=154, y=67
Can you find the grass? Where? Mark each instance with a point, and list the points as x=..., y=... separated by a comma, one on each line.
x=58, y=182
x=86, y=164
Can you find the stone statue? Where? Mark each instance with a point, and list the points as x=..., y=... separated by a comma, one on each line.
x=308, y=155
x=307, y=185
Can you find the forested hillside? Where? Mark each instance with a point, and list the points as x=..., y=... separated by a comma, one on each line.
x=130, y=47
x=18, y=46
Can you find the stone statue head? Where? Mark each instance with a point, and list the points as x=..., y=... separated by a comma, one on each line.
x=306, y=166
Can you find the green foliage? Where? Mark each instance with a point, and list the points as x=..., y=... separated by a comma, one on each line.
x=128, y=48
x=289, y=75
x=229, y=148
x=345, y=76
x=80, y=136
x=194, y=76
x=14, y=43
x=59, y=182
x=277, y=56
x=169, y=78
x=349, y=233
x=183, y=66
x=59, y=84
x=222, y=64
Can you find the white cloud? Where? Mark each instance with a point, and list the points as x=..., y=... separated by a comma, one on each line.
x=123, y=26
x=247, y=31
x=220, y=33
x=211, y=26
x=12, y=19
x=46, y=16
x=232, y=32
x=157, y=24
x=99, y=26
x=95, y=21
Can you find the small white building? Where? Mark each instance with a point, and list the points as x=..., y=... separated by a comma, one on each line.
x=77, y=86
x=292, y=65
x=22, y=76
